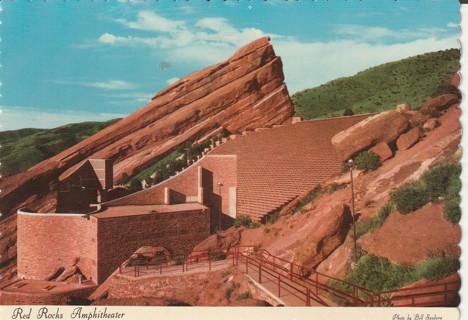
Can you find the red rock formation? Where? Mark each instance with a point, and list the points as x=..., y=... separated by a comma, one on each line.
x=404, y=107
x=430, y=124
x=455, y=81
x=244, y=92
x=323, y=241
x=439, y=103
x=406, y=140
x=414, y=236
x=383, y=127
x=383, y=151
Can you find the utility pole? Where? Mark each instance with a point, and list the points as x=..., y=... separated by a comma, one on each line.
x=220, y=184
x=350, y=163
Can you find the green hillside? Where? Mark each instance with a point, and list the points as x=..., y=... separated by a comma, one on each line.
x=22, y=149
x=413, y=80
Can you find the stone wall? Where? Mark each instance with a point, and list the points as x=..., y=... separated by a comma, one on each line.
x=49, y=241
x=165, y=287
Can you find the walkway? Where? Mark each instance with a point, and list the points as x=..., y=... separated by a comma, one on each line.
x=286, y=281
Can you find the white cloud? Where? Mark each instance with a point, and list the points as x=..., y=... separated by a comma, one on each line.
x=350, y=48
x=214, y=35
x=110, y=85
x=107, y=85
x=368, y=33
x=172, y=80
x=107, y=38
x=453, y=25
x=130, y=98
x=150, y=21
x=310, y=64
x=14, y=117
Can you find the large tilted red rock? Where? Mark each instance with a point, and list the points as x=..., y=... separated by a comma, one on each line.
x=319, y=244
x=439, y=103
x=245, y=92
x=384, y=127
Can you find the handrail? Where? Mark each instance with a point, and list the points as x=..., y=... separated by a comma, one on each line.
x=286, y=273
x=307, y=292
x=355, y=297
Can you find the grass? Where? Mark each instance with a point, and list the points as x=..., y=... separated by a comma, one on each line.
x=367, y=224
x=160, y=166
x=24, y=148
x=245, y=221
x=380, y=274
x=413, y=80
x=316, y=192
x=441, y=182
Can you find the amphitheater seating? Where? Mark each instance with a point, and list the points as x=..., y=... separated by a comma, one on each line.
x=279, y=164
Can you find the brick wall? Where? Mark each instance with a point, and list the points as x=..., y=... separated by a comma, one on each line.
x=49, y=241
x=216, y=168
x=223, y=169
x=119, y=237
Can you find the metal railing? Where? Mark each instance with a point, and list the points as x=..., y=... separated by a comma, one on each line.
x=184, y=262
x=305, y=284
x=438, y=294
x=319, y=282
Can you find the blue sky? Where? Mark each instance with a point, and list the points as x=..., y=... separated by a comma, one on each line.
x=66, y=62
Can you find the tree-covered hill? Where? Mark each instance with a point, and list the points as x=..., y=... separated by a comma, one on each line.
x=23, y=148
x=413, y=80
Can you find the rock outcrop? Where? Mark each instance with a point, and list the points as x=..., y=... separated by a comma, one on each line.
x=323, y=241
x=384, y=127
x=408, y=139
x=439, y=103
x=383, y=151
x=430, y=124
x=245, y=92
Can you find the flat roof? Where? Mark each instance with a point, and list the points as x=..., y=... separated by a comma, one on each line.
x=45, y=287
x=136, y=210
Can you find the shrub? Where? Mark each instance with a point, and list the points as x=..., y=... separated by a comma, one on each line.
x=124, y=179
x=348, y=112
x=217, y=255
x=452, y=211
x=384, y=212
x=367, y=224
x=409, y=197
x=367, y=161
x=311, y=196
x=441, y=179
x=273, y=216
x=228, y=293
x=437, y=268
x=245, y=221
x=378, y=274
x=135, y=185
x=244, y=296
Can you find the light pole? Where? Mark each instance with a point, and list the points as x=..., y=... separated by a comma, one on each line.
x=220, y=184
x=350, y=163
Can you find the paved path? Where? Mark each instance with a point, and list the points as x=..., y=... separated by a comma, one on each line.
x=173, y=270
x=289, y=292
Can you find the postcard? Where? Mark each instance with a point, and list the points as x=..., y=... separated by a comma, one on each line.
x=231, y=159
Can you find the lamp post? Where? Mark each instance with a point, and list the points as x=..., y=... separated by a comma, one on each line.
x=350, y=163
x=220, y=184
